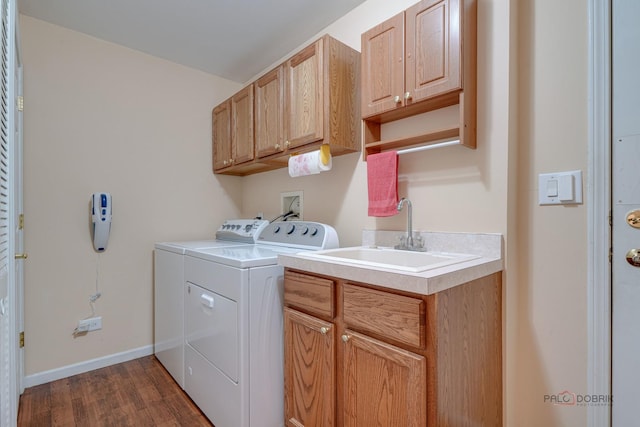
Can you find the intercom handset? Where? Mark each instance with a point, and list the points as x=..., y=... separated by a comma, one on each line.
x=101, y=219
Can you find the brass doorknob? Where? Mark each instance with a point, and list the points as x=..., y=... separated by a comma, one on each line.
x=633, y=257
x=21, y=256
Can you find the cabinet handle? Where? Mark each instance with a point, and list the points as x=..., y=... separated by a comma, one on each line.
x=225, y=162
x=277, y=146
x=21, y=256
x=324, y=330
x=407, y=95
x=396, y=99
x=286, y=144
x=345, y=337
x=230, y=161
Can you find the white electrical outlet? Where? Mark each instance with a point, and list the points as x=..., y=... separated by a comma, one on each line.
x=91, y=324
x=292, y=201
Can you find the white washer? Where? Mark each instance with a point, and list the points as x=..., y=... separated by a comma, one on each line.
x=169, y=288
x=234, y=327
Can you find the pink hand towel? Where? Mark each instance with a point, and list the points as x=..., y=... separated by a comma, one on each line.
x=382, y=182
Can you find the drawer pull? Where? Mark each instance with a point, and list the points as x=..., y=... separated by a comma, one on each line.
x=345, y=338
x=206, y=300
x=324, y=330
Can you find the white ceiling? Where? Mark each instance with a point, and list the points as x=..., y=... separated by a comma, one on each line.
x=234, y=39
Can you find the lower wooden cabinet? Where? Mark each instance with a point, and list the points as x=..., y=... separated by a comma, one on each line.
x=361, y=355
x=309, y=370
x=384, y=385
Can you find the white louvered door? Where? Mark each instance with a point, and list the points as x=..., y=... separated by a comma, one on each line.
x=11, y=230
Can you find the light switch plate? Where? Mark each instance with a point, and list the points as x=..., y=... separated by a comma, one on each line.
x=569, y=188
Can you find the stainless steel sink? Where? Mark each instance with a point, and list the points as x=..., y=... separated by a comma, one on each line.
x=414, y=262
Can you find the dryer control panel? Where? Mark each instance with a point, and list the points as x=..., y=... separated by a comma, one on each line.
x=299, y=234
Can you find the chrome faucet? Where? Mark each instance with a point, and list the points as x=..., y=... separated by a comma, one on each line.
x=407, y=244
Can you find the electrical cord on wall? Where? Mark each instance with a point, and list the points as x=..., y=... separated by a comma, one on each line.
x=289, y=214
x=98, y=294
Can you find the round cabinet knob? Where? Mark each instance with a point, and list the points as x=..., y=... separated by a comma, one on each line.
x=230, y=161
x=396, y=99
x=291, y=229
x=305, y=230
x=345, y=337
x=324, y=330
x=224, y=162
x=277, y=146
x=407, y=95
x=314, y=231
x=287, y=143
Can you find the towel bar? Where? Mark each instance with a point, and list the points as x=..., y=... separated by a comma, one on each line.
x=429, y=147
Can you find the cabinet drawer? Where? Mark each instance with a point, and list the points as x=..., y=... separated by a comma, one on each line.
x=309, y=293
x=396, y=317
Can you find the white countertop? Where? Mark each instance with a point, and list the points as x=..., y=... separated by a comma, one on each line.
x=487, y=246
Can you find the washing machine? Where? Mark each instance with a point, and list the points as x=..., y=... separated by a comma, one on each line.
x=234, y=362
x=169, y=286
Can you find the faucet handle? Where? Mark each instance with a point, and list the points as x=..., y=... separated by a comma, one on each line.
x=402, y=244
x=418, y=241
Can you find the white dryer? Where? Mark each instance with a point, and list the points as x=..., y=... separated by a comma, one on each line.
x=234, y=324
x=169, y=286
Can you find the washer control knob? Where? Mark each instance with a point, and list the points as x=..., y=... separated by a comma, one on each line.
x=291, y=229
x=314, y=231
x=276, y=229
x=248, y=227
x=305, y=230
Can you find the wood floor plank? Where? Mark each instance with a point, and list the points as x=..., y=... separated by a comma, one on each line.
x=135, y=393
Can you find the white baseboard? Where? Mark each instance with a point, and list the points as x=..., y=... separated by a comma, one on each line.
x=86, y=366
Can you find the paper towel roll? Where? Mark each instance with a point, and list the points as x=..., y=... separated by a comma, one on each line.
x=310, y=163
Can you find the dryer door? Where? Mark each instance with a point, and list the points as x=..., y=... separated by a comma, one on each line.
x=211, y=328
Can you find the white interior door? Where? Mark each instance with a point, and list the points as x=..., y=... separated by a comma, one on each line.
x=626, y=212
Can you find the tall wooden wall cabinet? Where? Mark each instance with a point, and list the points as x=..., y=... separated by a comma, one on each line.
x=420, y=60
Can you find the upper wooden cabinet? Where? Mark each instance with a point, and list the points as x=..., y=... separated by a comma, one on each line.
x=270, y=113
x=221, y=117
x=309, y=100
x=242, y=125
x=420, y=60
x=233, y=130
x=304, y=96
x=383, y=66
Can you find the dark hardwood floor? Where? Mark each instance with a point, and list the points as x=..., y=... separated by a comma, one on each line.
x=136, y=393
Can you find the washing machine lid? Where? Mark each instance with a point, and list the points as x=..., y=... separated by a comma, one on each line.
x=182, y=247
x=246, y=256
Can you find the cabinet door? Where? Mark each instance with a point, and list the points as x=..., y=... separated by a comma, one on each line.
x=242, y=125
x=384, y=385
x=309, y=371
x=269, y=113
x=221, y=118
x=433, y=58
x=304, y=96
x=383, y=67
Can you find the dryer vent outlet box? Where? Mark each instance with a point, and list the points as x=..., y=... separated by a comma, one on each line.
x=292, y=201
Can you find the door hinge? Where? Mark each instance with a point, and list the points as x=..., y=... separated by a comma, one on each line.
x=20, y=221
x=610, y=219
x=20, y=103
x=22, y=339
x=610, y=255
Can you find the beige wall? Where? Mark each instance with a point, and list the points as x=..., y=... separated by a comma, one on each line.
x=532, y=70
x=100, y=117
x=551, y=309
